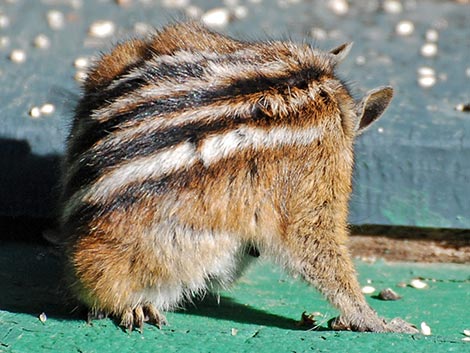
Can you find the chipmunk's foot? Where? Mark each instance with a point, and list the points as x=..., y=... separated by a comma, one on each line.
x=136, y=317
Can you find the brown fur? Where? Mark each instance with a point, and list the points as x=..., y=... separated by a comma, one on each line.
x=183, y=232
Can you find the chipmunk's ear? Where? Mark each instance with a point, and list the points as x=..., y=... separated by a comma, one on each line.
x=339, y=53
x=371, y=107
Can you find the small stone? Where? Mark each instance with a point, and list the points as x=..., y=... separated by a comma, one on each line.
x=4, y=42
x=405, y=28
x=47, y=108
x=463, y=107
x=175, y=3
x=426, y=81
x=388, y=294
x=142, y=28
x=426, y=71
x=402, y=284
x=339, y=7
x=319, y=33
x=55, y=19
x=80, y=76
x=429, y=49
x=392, y=6
x=368, y=290
x=218, y=17
x=466, y=333
x=4, y=21
x=240, y=12
x=466, y=339
x=102, y=29
x=432, y=35
x=234, y=332
x=81, y=62
x=193, y=11
x=425, y=329
x=380, y=130
x=230, y=3
x=418, y=284
x=35, y=112
x=360, y=60
x=18, y=56
x=42, y=41
x=43, y=317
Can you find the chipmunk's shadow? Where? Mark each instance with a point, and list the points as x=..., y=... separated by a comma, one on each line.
x=225, y=308
x=31, y=283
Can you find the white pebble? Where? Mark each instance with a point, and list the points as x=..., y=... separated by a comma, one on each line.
x=55, y=19
x=467, y=72
x=426, y=82
x=80, y=76
x=43, y=317
x=466, y=339
x=42, y=41
x=47, y=108
x=417, y=283
x=81, y=62
x=194, y=11
x=4, y=21
x=240, y=12
x=360, y=60
x=463, y=108
x=380, y=130
x=35, y=112
x=102, y=29
x=175, y=3
x=368, y=289
x=234, y=331
x=76, y=4
x=218, y=17
x=432, y=35
x=142, y=28
x=466, y=332
x=339, y=7
x=18, y=56
x=319, y=33
x=230, y=3
x=404, y=28
x=425, y=329
x=429, y=49
x=392, y=6
x=426, y=71
x=4, y=42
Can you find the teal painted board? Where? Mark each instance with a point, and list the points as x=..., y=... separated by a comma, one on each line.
x=259, y=314
x=413, y=166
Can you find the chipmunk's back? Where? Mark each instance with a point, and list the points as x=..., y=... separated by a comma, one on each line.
x=190, y=152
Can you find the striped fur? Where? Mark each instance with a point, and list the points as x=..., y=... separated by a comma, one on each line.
x=190, y=151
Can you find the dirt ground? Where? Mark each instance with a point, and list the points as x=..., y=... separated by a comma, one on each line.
x=409, y=244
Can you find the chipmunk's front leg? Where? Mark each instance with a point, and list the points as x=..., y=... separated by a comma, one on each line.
x=323, y=260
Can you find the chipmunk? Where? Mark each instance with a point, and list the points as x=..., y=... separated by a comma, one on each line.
x=190, y=151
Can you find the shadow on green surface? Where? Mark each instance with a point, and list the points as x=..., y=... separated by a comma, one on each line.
x=31, y=283
x=225, y=308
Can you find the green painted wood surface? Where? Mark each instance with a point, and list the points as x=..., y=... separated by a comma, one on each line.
x=259, y=314
x=413, y=166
